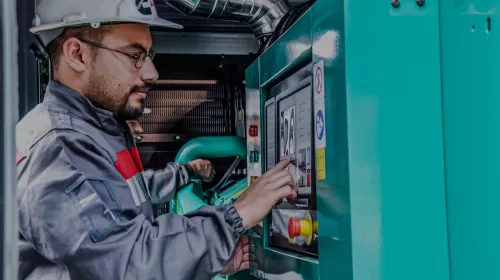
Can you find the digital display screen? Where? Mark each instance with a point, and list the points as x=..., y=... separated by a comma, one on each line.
x=289, y=133
x=295, y=134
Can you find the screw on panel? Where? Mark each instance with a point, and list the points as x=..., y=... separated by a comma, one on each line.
x=420, y=3
x=395, y=3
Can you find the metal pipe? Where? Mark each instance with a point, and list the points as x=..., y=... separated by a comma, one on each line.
x=261, y=15
x=212, y=147
x=9, y=93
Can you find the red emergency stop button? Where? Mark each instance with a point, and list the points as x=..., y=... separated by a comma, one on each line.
x=253, y=131
x=293, y=228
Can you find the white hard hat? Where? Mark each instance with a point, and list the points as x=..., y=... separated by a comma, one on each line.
x=52, y=16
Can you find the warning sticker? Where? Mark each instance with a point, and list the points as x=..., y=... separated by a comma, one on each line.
x=320, y=164
x=320, y=131
x=319, y=119
x=319, y=80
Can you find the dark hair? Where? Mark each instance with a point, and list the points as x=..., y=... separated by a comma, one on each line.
x=55, y=48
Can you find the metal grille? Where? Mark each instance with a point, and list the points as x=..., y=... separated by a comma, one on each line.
x=187, y=107
x=182, y=110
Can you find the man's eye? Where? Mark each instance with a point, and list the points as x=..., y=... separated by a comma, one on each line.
x=140, y=55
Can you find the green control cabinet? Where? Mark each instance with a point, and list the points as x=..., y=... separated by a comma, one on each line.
x=356, y=102
x=390, y=112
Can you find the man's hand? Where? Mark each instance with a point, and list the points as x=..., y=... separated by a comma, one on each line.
x=203, y=169
x=265, y=192
x=241, y=258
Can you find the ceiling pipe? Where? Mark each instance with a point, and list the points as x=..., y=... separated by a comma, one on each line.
x=262, y=16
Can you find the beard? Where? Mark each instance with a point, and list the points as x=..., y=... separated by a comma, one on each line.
x=127, y=112
x=102, y=96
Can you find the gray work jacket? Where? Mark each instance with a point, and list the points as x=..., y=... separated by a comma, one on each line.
x=86, y=205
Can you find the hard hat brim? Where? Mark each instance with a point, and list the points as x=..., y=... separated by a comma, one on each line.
x=158, y=22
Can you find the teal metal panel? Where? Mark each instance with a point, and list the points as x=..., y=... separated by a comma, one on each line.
x=252, y=117
x=382, y=206
x=290, y=52
x=253, y=113
x=292, y=45
x=252, y=80
x=395, y=140
x=334, y=224
x=470, y=56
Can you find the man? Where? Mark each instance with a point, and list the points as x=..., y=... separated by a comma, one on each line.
x=85, y=202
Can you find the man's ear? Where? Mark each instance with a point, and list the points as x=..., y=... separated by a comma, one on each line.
x=77, y=54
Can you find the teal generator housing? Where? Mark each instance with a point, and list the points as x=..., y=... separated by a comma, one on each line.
x=352, y=92
x=390, y=112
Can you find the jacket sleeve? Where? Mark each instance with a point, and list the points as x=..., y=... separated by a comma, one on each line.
x=75, y=218
x=164, y=183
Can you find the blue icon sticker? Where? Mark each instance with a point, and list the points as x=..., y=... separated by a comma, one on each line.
x=320, y=125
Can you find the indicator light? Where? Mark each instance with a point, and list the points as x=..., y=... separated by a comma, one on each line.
x=254, y=156
x=253, y=131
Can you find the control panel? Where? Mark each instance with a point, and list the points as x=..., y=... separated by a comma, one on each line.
x=288, y=121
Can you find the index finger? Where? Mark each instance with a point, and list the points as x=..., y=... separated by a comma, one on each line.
x=278, y=167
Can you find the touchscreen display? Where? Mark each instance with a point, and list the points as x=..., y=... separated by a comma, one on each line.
x=295, y=139
x=293, y=224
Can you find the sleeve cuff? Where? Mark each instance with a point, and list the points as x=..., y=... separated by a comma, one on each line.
x=234, y=221
x=190, y=172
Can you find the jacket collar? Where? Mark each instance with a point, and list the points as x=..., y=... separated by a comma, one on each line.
x=80, y=106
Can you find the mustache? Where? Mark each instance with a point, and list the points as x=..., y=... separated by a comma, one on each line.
x=142, y=88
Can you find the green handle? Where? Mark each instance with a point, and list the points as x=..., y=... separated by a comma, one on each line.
x=212, y=147
x=204, y=147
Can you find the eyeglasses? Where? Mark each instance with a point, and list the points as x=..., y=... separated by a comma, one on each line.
x=139, y=58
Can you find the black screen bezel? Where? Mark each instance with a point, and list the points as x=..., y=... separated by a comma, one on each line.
x=304, y=83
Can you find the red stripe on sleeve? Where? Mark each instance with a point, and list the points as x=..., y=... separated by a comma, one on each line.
x=125, y=164
x=19, y=157
x=137, y=159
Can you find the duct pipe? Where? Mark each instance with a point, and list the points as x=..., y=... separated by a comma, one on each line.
x=261, y=15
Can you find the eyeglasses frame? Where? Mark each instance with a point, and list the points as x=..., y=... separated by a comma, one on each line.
x=136, y=57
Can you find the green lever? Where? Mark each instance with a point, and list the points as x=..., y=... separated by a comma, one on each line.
x=212, y=147
x=186, y=199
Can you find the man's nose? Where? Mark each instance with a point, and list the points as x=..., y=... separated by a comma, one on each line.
x=149, y=72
